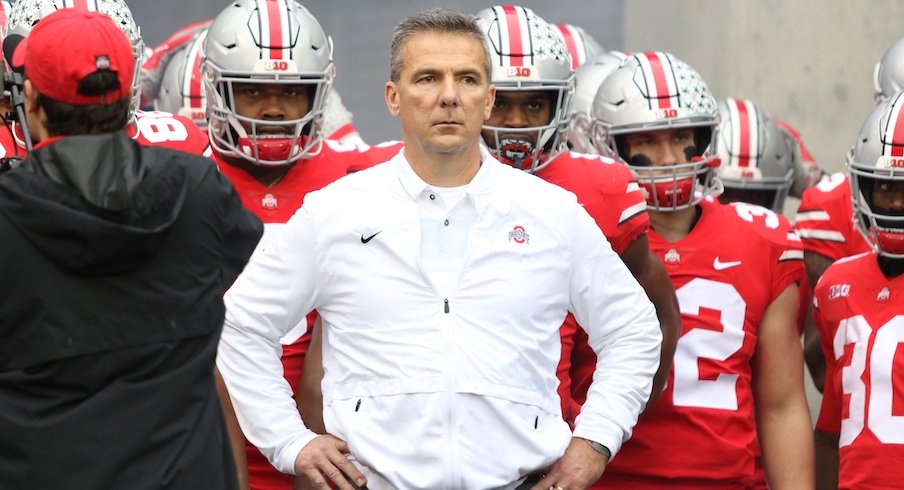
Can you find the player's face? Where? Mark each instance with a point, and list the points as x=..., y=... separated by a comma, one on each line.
x=271, y=102
x=443, y=95
x=660, y=147
x=889, y=195
x=518, y=110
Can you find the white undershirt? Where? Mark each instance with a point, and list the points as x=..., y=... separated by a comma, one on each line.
x=445, y=221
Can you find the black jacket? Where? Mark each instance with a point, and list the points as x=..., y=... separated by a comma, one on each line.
x=114, y=259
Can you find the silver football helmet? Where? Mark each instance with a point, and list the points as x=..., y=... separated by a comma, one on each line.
x=26, y=13
x=756, y=154
x=266, y=42
x=159, y=57
x=181, y=86
x=587, y=80
x=527, y=56
x=580, y=45
x=877, y=159
x=888, y=76
x=655, y=91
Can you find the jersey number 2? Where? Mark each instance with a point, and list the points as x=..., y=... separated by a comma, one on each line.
x=688, y=389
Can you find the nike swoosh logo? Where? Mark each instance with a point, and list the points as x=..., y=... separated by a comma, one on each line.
x=721, y=266
x=365, y=240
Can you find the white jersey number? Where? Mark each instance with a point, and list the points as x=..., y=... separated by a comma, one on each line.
x=887, y=427
x=828, y=183
x=699, y=343
x=161, y=129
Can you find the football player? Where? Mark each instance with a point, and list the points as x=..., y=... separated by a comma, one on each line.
x=737, y=372
x=825, y=220
x=859, y=312
x=180, y=89
x=265, y=106
x=534, y=83
x=148, y=128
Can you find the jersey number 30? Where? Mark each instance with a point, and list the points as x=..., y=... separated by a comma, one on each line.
x=886, y=426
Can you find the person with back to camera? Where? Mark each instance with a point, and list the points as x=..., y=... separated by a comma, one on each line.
x=120, y=255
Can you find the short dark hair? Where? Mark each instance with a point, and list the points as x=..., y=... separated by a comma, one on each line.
x=67, y=119
x=436, y=20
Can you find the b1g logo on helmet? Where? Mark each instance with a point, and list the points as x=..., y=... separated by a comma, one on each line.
x=668, y=113
x=519, y=71
x=890, y=162
x=276, y=65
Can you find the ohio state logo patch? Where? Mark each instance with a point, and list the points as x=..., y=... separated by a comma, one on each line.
x=519, y=236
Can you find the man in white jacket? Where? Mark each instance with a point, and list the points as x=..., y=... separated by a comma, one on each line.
x=441, y=277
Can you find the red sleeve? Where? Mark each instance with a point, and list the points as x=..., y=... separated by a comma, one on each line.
x=616, y=204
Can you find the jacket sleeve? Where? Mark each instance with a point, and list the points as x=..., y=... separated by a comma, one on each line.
x=274, y=293
x=241, y=233
x=623, y=331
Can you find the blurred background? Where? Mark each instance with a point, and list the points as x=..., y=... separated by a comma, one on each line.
x=808, y=62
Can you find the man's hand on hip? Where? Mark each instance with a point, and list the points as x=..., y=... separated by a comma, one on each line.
x=580, y=467
x=323, y=460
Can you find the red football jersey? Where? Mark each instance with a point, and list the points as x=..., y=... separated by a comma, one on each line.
x=169, y=131
x=701, y=433
x=610, y=194
x=8, y=146
x=860, y=316
x=274, y=205
x=825, y=219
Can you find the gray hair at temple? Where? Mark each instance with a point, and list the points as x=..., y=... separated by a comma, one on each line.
x=434, y=20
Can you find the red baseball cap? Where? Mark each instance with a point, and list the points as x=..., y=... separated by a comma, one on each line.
x=70, y=44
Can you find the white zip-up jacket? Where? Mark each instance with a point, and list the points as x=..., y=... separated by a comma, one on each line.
x=434, y=390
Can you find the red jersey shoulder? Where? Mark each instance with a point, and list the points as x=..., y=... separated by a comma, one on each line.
x=362, y=156
x=169, y=131
x=607, y=190
x=825, y=219
x=771, y=226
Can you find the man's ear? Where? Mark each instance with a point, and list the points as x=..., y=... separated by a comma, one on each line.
x=31, y=96
x=491, y=101
x=392, y=98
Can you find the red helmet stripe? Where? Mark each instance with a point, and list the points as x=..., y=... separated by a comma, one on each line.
x=657, y=70
x=571, y=45
x=514, y=18
x=745, y=135
x=896, y=118
x=81, y=4
x=193, y=82
x=274, y=24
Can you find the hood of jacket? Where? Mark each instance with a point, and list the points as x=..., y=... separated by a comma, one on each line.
x=94, y=204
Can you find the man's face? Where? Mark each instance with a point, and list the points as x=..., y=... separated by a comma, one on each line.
x=518, y=110
x=889, y=195
x=660, y=147
x=443, y=95
x=271, y=102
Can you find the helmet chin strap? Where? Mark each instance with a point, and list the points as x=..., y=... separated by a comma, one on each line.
x=270, y=149
x=517, y=151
